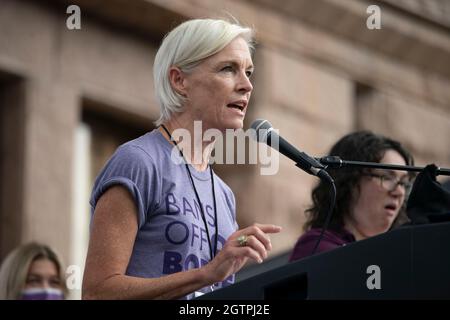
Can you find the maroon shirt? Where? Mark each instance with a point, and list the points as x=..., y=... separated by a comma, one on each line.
x=331, y=240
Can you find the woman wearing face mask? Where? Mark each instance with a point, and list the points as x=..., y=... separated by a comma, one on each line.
x=32, y=272
x=368, y=201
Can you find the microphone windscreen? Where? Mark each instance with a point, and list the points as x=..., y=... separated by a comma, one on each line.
x=258, y=125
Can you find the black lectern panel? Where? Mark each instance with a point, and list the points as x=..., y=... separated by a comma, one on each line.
x=431, y=264
x=413, y=262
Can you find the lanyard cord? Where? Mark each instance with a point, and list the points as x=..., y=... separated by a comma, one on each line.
x=212, y=254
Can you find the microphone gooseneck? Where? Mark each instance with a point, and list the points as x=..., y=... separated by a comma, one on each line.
x=266, y=134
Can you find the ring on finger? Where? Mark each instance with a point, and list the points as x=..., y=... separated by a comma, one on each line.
x=242, y=240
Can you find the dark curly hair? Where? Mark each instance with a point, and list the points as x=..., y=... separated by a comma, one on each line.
x=358, y=146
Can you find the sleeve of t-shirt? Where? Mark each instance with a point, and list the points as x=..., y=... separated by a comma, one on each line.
x=134, y=169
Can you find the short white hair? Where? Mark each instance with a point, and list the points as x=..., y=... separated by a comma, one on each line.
x=185, y=47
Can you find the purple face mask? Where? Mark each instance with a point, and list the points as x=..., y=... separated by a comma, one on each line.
x=42, y=294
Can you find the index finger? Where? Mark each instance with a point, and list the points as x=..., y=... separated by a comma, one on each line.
x=268, y=228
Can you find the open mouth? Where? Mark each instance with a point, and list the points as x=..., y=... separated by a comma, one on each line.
x=391, y=207
x=235, y=106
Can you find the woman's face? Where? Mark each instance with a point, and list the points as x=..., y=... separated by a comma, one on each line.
x=218, y=89
x=43, y=274
x=377, y=207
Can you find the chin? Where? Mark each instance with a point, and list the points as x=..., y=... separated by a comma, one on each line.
x=227, y=125
x=386, y=226
x=236, y=124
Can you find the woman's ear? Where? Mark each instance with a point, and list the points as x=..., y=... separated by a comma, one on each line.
x=177, y=80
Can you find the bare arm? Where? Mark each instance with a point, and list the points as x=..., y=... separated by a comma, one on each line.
x=111, y=243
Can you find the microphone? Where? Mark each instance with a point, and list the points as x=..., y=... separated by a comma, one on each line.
x=265, y=133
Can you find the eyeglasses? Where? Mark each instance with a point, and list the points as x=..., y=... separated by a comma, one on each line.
x=389, y=183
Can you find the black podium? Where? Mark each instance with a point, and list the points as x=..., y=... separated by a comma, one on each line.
x=413, y=261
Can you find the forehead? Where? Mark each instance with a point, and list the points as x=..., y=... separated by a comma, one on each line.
x=237, y=50
x=393, y=157
x=43, y=267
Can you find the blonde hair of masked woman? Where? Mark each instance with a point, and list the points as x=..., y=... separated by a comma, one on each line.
x=14, y=272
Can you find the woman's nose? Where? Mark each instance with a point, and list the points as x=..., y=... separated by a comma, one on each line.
x=398, y=190
x=245, y=84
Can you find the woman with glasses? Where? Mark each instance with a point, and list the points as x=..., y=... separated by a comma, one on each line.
x=368, y=202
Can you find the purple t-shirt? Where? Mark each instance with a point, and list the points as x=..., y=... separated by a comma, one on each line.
x=171, y=236
x=331, y=240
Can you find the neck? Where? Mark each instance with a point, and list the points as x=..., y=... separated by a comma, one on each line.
x=196, y=151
